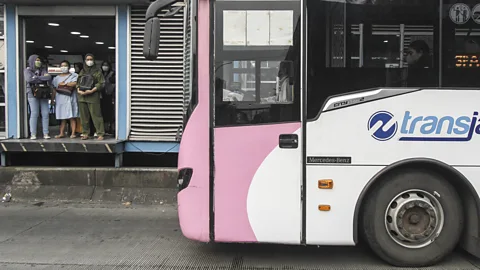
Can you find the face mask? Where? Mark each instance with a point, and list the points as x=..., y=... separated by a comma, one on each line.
x=89, y=63
x=105, y=68
x=64, y=69
x=38, y=64
x=72, y=70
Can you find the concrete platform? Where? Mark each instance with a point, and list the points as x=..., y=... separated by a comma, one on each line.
x=139, y=185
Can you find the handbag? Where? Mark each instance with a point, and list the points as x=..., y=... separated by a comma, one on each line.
x=65, y=89
x=42, y=90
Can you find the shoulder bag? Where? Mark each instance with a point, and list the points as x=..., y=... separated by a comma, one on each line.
x=42, y=90
x=65, y=89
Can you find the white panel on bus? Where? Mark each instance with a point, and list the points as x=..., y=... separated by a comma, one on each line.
x=281, y=28
x=234, y=28
x=258, y=22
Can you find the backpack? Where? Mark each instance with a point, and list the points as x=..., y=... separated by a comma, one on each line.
x=86, y=82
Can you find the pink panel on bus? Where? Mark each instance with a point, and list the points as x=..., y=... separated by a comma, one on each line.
x=193, y=202
x=239, y=152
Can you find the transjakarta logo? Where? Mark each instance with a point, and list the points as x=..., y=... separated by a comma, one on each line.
x=383, y=126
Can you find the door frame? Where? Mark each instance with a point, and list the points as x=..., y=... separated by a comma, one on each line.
x=49, y=11
x=303, y=115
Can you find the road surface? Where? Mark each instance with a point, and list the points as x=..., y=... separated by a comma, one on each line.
x=91, y=236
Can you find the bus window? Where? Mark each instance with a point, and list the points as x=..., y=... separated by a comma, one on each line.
x=364, y=44
x=257, y=62
x=460, y=41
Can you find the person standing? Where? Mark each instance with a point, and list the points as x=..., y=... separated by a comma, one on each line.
x=90, y=83
x=108, y=97
x=66, y=105
x=38, y=94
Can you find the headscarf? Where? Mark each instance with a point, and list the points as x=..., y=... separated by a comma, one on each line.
x=93, y=68
x=31, y=66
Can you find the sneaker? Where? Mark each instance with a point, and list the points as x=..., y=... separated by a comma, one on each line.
x=46, y=137
x=33, y=137
x=95, y=135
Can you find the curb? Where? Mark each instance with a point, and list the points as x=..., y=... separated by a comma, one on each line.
x=136, y=185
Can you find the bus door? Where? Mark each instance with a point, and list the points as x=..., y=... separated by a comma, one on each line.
x=257, y=128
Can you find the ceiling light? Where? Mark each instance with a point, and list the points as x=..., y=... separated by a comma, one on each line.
x=30, y=41
x=99, y=42
x=385, y=41
x=53, y=24
x=63, y=51
x=75, y=33
x=111, y=48
x=84, y=36
x=49, y=47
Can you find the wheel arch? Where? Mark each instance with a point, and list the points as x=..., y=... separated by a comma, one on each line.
x=470, y=198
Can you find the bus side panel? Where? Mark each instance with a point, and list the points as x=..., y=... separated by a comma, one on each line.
x=334, y=227
x=274, y=205
x=193, y=201
x=436, y=124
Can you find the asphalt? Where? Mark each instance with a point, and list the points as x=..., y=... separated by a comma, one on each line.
x=58, y=235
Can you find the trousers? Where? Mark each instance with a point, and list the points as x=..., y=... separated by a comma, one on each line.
x=94, y=110
x=37, y=105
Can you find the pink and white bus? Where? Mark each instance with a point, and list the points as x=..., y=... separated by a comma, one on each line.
x=330, y=122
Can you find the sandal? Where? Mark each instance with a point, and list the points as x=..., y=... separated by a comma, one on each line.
x=100, y=138
x=84, y=137
x=73, y=136
x=59, y=136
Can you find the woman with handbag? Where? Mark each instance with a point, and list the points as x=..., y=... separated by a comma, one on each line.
x=39, y=92
x=66, y=102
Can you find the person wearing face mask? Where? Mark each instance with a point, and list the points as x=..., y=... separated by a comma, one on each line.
x=108, y=97
x=90, y=83
x=36, y=73
x=66, y=105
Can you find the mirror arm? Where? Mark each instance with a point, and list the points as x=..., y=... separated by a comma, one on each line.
x=156, y=7
x=173, y=11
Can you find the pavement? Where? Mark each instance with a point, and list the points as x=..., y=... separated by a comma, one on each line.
x=85, y=235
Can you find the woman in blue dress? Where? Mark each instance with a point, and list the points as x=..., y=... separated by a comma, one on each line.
x=66, y=106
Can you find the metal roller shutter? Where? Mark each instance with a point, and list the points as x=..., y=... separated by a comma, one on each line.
x=157, y=87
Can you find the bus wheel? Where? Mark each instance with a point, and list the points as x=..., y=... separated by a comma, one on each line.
x=412, y=219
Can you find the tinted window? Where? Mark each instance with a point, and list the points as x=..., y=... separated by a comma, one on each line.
x=460, y=43
x=366, y=44
x=257, y=62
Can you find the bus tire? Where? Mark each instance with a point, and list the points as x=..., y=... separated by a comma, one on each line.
x=413, y=219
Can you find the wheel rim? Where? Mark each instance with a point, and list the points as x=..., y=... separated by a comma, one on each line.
x=414, y=218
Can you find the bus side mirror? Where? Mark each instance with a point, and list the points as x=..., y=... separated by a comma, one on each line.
x=151, y=38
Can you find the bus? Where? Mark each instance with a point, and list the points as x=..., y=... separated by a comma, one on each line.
x=330, y=123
